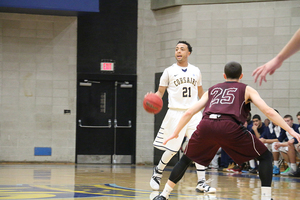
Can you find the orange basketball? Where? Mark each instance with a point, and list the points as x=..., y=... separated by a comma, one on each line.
x=152, y=103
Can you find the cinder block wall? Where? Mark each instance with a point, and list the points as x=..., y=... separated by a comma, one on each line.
x=37, y=83
x=249, y=33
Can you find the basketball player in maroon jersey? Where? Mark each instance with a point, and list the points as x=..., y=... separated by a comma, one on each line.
x=226, y=107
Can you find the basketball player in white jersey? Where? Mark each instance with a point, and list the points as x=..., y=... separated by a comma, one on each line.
x=183, y=82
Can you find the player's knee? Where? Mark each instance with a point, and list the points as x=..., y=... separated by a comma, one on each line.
x=180, y=168
x=185, y=160
x=169, y=153
x=267, y=155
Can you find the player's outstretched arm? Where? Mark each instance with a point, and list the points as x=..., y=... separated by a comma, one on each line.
x=188, y=115
x=269, y=68
x=252, y=95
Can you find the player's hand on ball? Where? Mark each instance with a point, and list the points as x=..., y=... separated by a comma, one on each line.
x=152, y=103
x=148, y=93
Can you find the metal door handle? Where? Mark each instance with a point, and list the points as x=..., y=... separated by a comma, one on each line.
x=116, y=124
x=84, y=126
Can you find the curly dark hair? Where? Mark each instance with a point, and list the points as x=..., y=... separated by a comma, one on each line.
x=188, y=44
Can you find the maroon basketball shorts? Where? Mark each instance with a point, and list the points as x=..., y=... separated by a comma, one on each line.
x=235, y=140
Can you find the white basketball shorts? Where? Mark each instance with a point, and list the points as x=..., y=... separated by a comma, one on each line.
x=169, y=125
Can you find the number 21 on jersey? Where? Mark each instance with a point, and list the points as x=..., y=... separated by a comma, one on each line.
x=186, y=92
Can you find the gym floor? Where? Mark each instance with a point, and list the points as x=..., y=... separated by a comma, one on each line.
x=94, y=181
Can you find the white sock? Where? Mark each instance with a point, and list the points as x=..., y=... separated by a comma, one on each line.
x=167, y=191
x=165, y=158
x=289, y=164
x=276, y=163
x=294, y=166
x=200, y=171
x=266, y=193
x=252, y=164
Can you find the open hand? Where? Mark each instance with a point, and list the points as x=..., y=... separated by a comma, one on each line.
x=170, y=138
x=268, y=68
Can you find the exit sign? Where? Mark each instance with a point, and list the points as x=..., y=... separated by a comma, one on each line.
x=107, y=66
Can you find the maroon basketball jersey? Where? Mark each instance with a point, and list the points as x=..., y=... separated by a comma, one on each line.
x=228, y=98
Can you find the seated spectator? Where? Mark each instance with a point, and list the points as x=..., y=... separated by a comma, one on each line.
x=272, y=131
x=290, y=146
x=267, y=122
x=269, y=138
x=256, y=128
x=297, y=147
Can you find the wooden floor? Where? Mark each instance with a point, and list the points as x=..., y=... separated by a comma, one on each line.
x=89, y=182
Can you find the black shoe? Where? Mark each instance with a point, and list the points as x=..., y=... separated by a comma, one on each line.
x=253, y=171
x=220, y=169
x=159, y=198
x=295, y=174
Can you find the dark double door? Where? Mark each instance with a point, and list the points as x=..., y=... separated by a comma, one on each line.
x=106, y=119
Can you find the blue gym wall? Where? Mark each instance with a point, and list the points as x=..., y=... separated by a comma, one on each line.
x=67, y=5
x=49, y=7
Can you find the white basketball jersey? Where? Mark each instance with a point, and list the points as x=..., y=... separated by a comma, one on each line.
x=182, y=83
